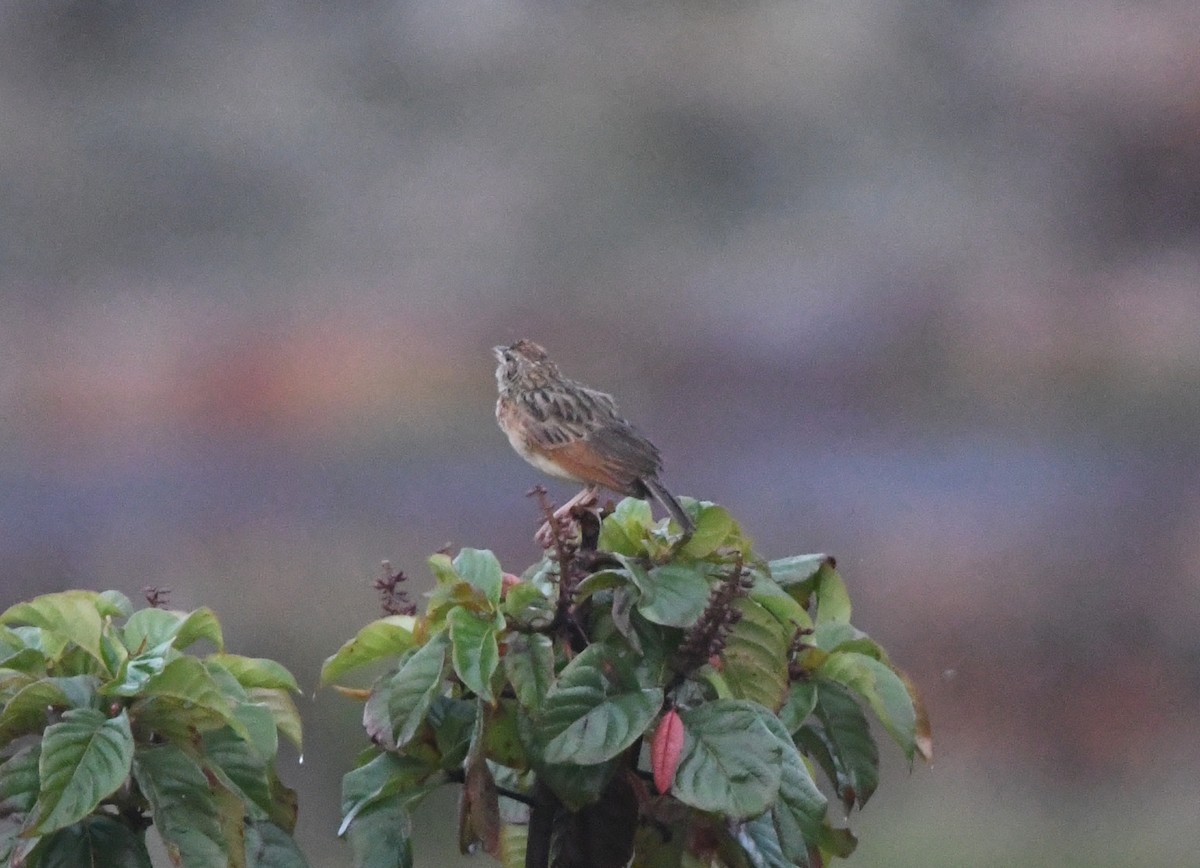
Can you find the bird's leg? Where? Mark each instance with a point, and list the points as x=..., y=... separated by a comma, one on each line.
x=586, y=498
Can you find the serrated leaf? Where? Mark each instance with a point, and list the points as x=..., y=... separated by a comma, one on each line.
x=85, y=758
x=529, y=664
x=380, y=639
x=67, y=617
x=185, y=812
x=95, y=841
x=253, y=672
x=473, y=650
x=400, y=701
x=673, y=595
x=591, y=714
x=881, y=688
x=755, y=656
x=731, y=762
x=713, y=525
x=480, y=568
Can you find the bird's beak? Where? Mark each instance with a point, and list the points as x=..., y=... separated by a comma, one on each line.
x=498, y=352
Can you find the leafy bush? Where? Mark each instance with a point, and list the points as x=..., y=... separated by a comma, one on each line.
x=107, y=727
x=632, y=694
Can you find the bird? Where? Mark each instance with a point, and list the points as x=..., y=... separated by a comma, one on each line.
x=575, y=433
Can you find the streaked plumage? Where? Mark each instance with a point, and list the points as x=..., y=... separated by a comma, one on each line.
x=572, y=432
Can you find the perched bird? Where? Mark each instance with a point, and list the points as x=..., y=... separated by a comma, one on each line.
x=575, y=433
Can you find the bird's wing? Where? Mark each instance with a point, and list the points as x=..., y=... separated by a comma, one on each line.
x=559, y=417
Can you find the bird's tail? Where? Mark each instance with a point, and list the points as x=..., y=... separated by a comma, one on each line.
x=672, y=505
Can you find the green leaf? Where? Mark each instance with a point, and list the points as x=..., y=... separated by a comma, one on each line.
x=443, y=569
x=731, y=762
x=881, y=688
x=150, y=628
x=136, y=671
x=798, y=573
x=799, y=704
x=283, y=712
x=185, y=812
x=257, y=671
x=673, y=595
x=95, y=841
x=833, y=602
x=624, y=532
x=847, y=737
x=501, y=738
x=528, y=607
x=114, y=604
x=68, y=617
x=473, y=650
x=85, y=758
x=268, y=846
x=453, y=721
x=384, y=777
x=592, y=714
x=713, y=526
x=755, y=656
x=182, y=697
x=480, y=568
x=381, y=836
x=799, y=812
x=241, y=768
x=399, y=701
x=779, y=603
x=529, y=664
x=19, y=782
x=197, y=625
x=380, y=639
x=760, y=839
x=831, y=635
x=26, y=711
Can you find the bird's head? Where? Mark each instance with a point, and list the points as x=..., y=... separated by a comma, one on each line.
x=524, y=365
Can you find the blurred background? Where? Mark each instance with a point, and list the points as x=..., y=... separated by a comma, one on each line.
x=916, y=284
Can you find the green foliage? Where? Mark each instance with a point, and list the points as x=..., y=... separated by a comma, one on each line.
x=653, y=696
x=108, y=727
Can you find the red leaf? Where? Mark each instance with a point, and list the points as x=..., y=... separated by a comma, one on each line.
x=665, y=748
